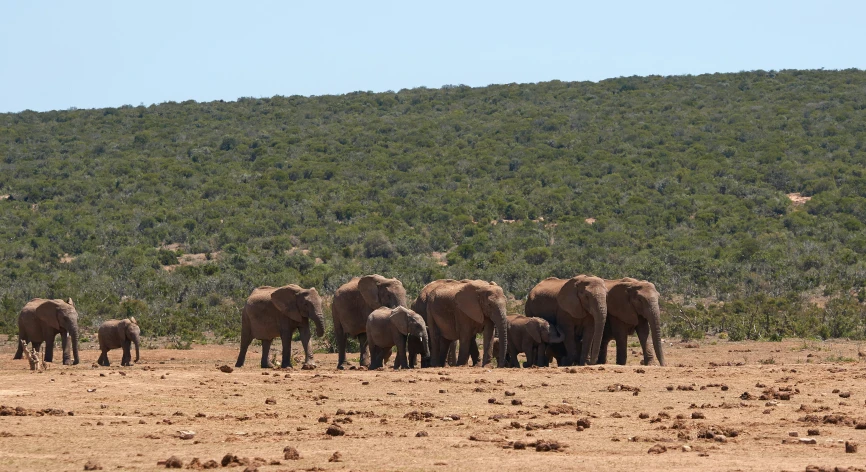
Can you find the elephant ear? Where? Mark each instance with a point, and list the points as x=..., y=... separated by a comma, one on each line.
x=535, y=330
x=467, y=300
x=569, y=299
x=47, y=311
x=368, y=285
x=400, y=318
x=132, y=320
x=285, y=299
x=621, y=301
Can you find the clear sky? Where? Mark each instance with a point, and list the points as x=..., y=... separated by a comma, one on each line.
x=91, y=54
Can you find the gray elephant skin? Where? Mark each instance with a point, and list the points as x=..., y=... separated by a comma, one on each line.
x=119, y=334
x=457, y=311
x=632, y=305
x=354, y=301
x=272, y=312
x=41, y=320
x=389, y=327
x=531, y=336
x=573, y=305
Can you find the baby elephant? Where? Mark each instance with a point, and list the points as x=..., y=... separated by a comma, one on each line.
x=530, y=335
x=119, y=333
x=389, y=327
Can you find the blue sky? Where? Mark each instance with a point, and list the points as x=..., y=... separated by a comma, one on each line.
x=92, y=54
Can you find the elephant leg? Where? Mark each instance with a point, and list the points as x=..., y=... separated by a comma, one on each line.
x=452, y=353
x=286, y=340
x=127, y=355
x=19, y=353
x=643, y=332
x=340, y=336
x=436, y=351
x=473, y=352
x=401, y=361
x=602, y=352
x=266, y=351
x=444, y=344
x=465, y=347
x=487, y=339
x=306, y=336
x=375, y=357
x=49, y=345
x=103, y=358
x=364, y=349
x=413, y=348
x=65, y=348
x=572, y=355
x=621, y=347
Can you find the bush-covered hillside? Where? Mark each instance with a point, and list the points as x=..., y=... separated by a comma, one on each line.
x=685, y=177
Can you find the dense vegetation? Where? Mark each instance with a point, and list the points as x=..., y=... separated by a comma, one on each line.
x=686, y=178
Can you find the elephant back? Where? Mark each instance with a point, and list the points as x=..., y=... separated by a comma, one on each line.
x=542, y=299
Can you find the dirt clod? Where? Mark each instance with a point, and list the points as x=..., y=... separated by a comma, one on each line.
x=335, y=430
x=173, y=462
x=270, y=401
x=336, y=457
x=657, y=449
x=92, y=465
x=226, y=368
x=421, y=434
x=850, y=447
x=290, y=453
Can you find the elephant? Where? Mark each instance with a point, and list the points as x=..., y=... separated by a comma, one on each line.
x=272, y=312
x=531, y=336
x=632, y=305
x=41, y=320
x=389, y=327
x=458, y=310
x=115, y=334
x=414, y=346
x=572, y=305
x=354, y=301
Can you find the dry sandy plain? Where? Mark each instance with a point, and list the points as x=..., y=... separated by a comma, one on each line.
x=779, y=406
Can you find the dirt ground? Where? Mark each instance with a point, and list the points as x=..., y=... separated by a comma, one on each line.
x=720, y=405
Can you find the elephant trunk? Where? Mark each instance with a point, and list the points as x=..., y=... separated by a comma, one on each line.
x=137, y=341
x=425, y=347
x=73, y=334
x=319, y=320
x=501, y=323
x=656, y=331
x=555, y=336
x=599, y=315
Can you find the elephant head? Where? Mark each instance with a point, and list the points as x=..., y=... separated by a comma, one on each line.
x=60, y=315
x=379, y=291
x=409, y=323
x=544, y=332
x=133, y=334
x=300, y=305
x=632, y=299
x=586, y=296
x=480, y=300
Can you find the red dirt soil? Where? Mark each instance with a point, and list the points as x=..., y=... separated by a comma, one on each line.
x=756, y=394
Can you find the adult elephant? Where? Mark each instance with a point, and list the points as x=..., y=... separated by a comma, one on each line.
x=114, y=334
x=572, y=305
x=272, y=312
x=353, y=303
x=632, y=305
x=415, y=347
x=458, y=310
x=42, y=320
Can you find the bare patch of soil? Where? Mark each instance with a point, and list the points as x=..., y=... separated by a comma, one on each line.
x=735, y=411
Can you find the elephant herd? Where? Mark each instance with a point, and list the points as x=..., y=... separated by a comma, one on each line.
x=569, y=320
